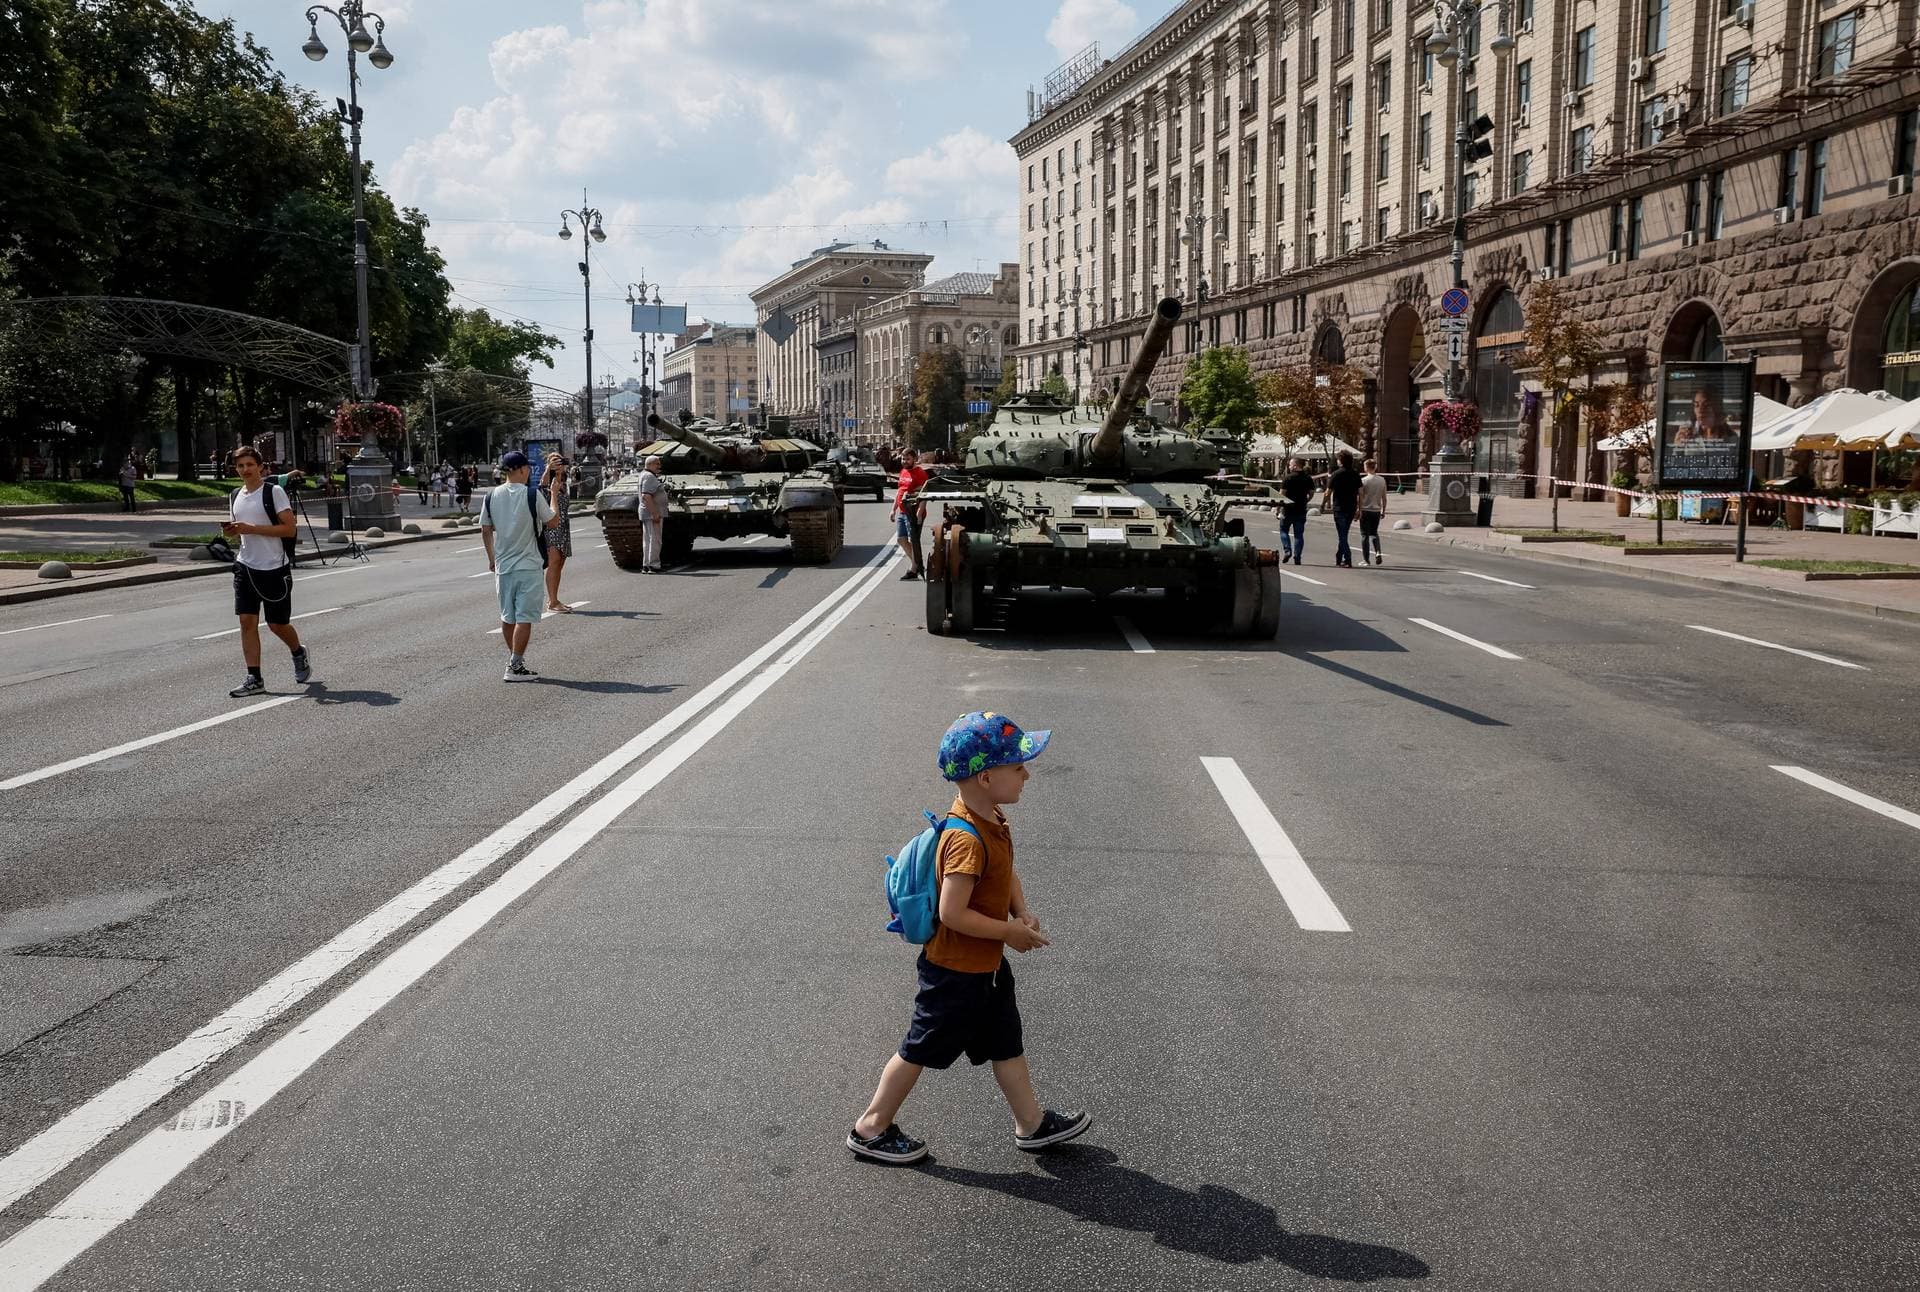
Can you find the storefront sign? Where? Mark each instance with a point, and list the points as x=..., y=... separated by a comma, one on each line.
x=1904, y=357
x=1706, y=423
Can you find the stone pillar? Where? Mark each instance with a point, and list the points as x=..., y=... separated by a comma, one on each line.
x=1449, y=489
x=370, y=499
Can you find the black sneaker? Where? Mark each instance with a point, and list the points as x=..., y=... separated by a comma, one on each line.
x=1054, y=1128
x=890, y=1145
x=909, y=576
x=252, y=686
x=302, y=666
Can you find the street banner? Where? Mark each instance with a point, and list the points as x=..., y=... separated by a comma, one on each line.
x=666, y=320
x=1705, y=425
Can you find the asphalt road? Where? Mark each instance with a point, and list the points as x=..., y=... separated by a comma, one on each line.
x=1378, y=957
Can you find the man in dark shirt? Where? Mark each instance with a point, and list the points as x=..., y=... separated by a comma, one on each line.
x=1296, y=488
x=1344, y=488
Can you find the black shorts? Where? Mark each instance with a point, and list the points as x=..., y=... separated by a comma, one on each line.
x=963, y=1013
x=266, y=593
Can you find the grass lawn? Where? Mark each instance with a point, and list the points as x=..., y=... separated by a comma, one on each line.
x=28, y=493
x=74, y=558
x=1571, y=535
x=1800, y=566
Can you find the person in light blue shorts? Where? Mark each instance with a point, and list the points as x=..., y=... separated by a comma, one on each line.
x=514, y=521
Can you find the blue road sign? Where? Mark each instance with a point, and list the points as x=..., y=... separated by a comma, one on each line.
x=975, y=407
x=1454, y=301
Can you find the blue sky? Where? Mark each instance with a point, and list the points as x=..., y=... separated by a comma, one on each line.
x=722, y=139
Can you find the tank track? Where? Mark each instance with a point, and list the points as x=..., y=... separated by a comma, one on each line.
x=626, y=540
x=816, y=534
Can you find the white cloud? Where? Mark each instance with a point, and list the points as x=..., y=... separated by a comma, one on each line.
x=965, y=160
x=1082, y=22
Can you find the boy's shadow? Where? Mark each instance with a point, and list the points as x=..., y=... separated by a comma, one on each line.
x=1219, y=1224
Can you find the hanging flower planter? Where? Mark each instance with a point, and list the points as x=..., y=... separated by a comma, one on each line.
x=1457, y=418
x=359, y=421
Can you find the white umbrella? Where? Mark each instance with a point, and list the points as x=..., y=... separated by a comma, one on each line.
x=1765, y=411
x=1307, y=446
x=1823, y=423
x=1892, y=427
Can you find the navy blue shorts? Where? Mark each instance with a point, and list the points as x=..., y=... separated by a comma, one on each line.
x=963, y=1013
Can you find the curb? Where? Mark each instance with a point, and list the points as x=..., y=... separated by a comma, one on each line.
x=1655, y=575
x=199, y=569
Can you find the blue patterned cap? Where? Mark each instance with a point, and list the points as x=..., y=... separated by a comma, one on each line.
x=978, y=742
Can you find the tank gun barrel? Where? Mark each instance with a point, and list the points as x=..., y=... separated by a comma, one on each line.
x=1106, y=444
x=692, y=439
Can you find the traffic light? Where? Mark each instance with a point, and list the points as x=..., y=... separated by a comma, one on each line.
x=1479, y=147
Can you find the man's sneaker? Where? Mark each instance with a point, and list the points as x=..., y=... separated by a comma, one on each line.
x=252, y=686
x=1379, y=559
x=890, y=1145
x=909, y=576
x=517, y=672
x=1054, y=1128
x=302, y=666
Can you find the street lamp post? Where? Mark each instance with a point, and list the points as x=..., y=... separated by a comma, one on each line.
x=370, y=475
x=637, y=295
x=590, y=225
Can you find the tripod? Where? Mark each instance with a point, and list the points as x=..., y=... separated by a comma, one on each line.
x=353, y=548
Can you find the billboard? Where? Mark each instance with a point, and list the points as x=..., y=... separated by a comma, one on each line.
x=668, y=319
x=1705, y=425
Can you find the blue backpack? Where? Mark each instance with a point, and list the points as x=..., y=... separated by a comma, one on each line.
x=913, y=881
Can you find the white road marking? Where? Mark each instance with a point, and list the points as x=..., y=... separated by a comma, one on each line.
x=1303, y=578
x=1852, y=795
x=60, y=1145
x=545, y=614
x=117, y=1191
x=483, y=574
x=462, y=551
x=327, y=574
x=1141, y=646
x=1491, y=579
x=1312, y=908
x=1791, y=650
x=1462, y=637
x=61, y=624
x=228, y=632
x=29, y=778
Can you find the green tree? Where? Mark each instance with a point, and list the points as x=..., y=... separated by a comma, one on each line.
x=1054, y=386
x=939, y=400
x=1219, y=390
x=1308, y=404
x=476, y=339
x=1563, y=351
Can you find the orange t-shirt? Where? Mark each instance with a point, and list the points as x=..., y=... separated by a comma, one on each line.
x=992, y=867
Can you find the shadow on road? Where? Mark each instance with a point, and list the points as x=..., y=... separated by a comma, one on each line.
x=616, y=614
x=320, y=694
x=1218, y=1224
x=776, y=576
x=1401, y=692
x=608, y=688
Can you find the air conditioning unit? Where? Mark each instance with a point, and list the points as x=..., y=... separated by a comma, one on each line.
x=1782, y=215
x=1543, y=273
x=1429, y=211
x=1345, y=131
x=1525, y=115
x=1466, y=67
x=1744, y=15
x=1639, y=69
x=1614, y=257
x=1526, y=27
x=1570, y=100
x=1690, y=238
x=1900, y=186
x=1313, y=150
x=1426, y=87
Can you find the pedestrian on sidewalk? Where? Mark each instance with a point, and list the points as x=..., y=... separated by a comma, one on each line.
x=1373, y=510
x=513, y=519
x=467, y=479
x=420, y=479
x=965, y=1004
x=560, y=537
x=1296, y=489
x=1343, y=490
x=439, y=485
x=129, y=477
x=653, y=513
x=908, y=513
x=260, y=515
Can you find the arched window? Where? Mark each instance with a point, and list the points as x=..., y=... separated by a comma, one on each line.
x=1330, y=347
x=1495, y=383
x=1011, y=336
x=1694, y=336
x=936, y=335
x=1900, y=345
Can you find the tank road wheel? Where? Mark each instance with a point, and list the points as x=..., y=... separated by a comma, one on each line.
x=1255, y=608
x=1266, y=621
x=625, y=541
x=815, y=534
x=951, y=594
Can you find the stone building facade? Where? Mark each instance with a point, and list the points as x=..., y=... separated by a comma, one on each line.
x=815, y=295
x=1702, y=177
x=867, y=361
x=712, y=370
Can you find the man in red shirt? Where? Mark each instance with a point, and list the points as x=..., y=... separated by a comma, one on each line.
x=908, y=514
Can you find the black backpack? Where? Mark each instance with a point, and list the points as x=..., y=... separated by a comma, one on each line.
x=533, y=510
x=273, y=515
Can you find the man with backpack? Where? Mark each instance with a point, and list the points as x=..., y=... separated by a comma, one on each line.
x=953, y=889
x=260, y=515
x=513, y=523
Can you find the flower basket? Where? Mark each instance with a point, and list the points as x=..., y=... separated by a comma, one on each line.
x=381, y=422
x=1457, y=418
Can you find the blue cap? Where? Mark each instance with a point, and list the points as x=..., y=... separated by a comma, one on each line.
x=513, y=460
x=978, y=742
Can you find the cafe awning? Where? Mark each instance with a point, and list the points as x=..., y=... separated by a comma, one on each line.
x=1828, y=422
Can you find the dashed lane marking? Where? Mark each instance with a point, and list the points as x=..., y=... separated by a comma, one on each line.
x=1492, y=579
x=228, y=632
x=1303, y=578
x=1853, y=796
x=1791, y=650
x=462, y=551
x=1312, y=908
x=87, y=760
x=328, y=574
x=1444, y=631
x=61, y=624
x=1141, y=646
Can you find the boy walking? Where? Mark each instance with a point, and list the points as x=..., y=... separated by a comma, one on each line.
x=261, y=517
x=965, y=1003
x=512, y=516
x=1373, y=509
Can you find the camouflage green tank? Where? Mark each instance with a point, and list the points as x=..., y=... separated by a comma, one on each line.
x=727, y=482
x=1047, y=497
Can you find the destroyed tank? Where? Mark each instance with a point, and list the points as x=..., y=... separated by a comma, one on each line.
x=1049, y=497
x=726, y=482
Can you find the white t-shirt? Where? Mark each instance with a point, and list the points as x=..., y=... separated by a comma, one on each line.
x=504, y=511
x=652, y=486
x=1373, y=493
x=259, y=551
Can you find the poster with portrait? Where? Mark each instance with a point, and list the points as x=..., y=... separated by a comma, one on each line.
x=1706, y=422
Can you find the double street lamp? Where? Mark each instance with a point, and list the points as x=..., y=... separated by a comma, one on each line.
x=637, y=295
x=589, y=219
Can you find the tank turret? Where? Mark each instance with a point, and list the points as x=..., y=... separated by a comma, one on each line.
x=688, y=436
x=1107, y=447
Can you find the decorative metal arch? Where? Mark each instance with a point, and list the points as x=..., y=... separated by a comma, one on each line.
x=177, y=330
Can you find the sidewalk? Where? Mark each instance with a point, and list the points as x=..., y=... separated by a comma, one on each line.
x=1887, y=598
